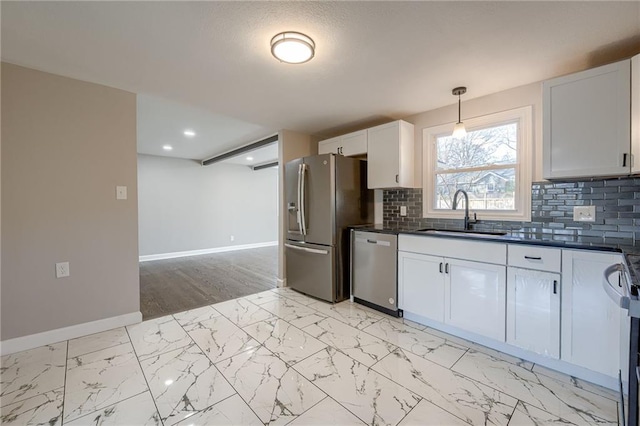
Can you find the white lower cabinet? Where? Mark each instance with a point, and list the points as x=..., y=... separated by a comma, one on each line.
x=475, y=297
x=468, y=295
x=595, y=331
x=421, y=285
x=533, y=311
x=547, y=301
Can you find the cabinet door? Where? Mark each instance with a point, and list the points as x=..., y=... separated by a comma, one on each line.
x=329, y=146
x=390, y=155
x=354, y=144
x=475, y=297
x=421, y=285
x=586, y=123
x=533, y=311
x=595, y=331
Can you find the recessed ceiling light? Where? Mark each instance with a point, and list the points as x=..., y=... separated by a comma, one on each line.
x=249, y=158
x=189, y=133
x=167, y=147
x=292, y=47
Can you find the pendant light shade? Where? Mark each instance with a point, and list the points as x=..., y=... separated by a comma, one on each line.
x=458, y=130
x=292, y=47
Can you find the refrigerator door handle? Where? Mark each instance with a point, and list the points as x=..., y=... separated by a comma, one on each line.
x=299, y=188
x=307, y=249
x=303, y=190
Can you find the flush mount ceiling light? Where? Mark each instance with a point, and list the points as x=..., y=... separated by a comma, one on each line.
x=292, y=47
x=167, y=147
x=458, y=130
x=249, y=158
x=189, y=133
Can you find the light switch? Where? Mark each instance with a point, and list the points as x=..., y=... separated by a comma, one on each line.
x=403, y=210
x=121, y=192
x=584, y=213
x=62, y=269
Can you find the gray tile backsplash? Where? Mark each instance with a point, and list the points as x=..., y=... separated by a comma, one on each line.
x=617, y=203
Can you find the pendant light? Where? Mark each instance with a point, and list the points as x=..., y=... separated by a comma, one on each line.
x=458, y=130
x=292, y=47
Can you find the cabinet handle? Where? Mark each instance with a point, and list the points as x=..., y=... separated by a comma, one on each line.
x=555, y=286
x=397, y=178
x=440, y=267
x=624, y=159
x=372, y=241
x=533, y=257
x=446, y=268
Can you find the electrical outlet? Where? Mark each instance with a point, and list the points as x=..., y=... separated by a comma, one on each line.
x=121, y=192
x=62, y=269
x=584, y=213
x=231, y=238
x=403, y=210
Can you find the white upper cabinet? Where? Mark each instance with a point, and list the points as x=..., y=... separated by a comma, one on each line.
x=587, y=123
x=349, y=145
x=635, y=113
x=390, y=155
x=354, y=143
x=329, y=146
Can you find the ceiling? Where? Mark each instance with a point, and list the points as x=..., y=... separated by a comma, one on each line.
x=263, y=155
x=162, y=122
x=374, y=60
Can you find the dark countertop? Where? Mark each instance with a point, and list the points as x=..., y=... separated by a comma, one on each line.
x=514, y=238
x=633, y=264
x=631, y=251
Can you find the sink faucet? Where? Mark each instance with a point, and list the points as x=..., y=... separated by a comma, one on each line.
x=467, y=221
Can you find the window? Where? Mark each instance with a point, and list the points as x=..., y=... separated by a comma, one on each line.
x=491, y=163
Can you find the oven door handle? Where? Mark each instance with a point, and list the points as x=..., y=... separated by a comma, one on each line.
x=620, y=298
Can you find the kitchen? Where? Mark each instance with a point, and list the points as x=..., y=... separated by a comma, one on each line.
x=308, y=347
x=537, y=289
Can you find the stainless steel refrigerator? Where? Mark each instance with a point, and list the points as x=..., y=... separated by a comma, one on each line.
x=324, y=194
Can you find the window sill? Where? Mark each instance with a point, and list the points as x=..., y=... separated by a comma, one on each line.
x=493, y=216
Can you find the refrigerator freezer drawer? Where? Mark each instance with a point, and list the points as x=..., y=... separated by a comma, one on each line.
x=311, y=269
x=374, y=269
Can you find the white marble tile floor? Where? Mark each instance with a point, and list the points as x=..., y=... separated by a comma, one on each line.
x=280, y=357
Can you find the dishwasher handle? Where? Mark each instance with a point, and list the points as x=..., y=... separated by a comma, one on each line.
x=376, y=242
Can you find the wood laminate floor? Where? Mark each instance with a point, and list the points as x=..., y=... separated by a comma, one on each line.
x=176, y=285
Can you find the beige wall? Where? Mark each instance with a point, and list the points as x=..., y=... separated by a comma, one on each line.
x=291, y=145
x=66, y=145
x=530, y=94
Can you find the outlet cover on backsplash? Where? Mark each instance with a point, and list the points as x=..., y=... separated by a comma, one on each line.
x=584, y=213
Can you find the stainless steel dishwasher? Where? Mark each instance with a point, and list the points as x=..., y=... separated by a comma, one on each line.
x=374, y=269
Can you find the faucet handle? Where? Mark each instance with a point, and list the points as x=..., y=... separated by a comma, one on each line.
x=475, y=218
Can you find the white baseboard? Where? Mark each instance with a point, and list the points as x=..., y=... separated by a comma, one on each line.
x=281, y=282
x=173, y=255
x=31, y=341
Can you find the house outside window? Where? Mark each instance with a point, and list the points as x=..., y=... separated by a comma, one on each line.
x=492, y=163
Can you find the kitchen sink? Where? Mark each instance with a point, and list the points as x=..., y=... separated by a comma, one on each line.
x=471, y=233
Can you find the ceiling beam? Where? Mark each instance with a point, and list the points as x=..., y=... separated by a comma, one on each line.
x=241, y=150
x=265, y=166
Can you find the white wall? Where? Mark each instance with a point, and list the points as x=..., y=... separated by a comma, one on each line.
x=183, y=206
x=66, y=144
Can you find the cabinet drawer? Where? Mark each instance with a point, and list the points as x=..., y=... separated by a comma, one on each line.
x=533, y=257
x=455, y=248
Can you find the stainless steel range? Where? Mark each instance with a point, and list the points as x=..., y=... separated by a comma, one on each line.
x=617, y=283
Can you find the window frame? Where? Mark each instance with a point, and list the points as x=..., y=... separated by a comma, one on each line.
x=523, y=166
